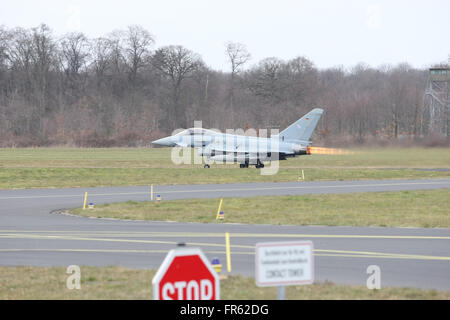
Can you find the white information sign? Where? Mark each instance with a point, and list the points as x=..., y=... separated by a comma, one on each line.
x=284, y=263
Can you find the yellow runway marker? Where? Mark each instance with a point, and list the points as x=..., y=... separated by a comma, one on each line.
x=85, y=199
x=219, y=209
x=227, y=243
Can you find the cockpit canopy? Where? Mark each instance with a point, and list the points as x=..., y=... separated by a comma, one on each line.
x=196, y=131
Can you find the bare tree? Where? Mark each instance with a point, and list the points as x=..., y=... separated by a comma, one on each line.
x=177, y=63
x=266, y=80
x=238, y=56
x=74, y=52
x=44, y=63
x=4, y=39
x=301, y=78
x=74, y=55
x=19, y=51
x=138, y=42
x=101, y=51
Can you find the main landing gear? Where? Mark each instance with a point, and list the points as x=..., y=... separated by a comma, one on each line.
x=259, y=164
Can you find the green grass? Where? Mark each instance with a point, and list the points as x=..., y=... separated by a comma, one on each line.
x=88, y=167
x=121, y=283
x=429, y=208
x=160, y=158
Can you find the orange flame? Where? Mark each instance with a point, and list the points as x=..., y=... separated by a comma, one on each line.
x=320, y=150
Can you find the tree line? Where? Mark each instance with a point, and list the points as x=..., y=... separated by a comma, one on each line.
x=123, y=90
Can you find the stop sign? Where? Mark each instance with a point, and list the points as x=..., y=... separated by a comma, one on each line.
x=186, y=274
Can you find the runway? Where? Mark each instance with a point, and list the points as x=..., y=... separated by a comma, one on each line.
x=31, y=235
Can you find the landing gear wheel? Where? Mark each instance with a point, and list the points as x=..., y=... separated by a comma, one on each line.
x=206, y=166
x=259, y=164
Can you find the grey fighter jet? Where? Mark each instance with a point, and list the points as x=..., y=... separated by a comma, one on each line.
x=247, y=150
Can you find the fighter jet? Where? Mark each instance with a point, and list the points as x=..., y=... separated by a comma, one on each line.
x=247, y=150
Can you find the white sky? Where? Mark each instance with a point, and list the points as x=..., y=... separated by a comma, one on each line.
x=330, y=33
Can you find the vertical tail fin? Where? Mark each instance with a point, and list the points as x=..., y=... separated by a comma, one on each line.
x=303, y=128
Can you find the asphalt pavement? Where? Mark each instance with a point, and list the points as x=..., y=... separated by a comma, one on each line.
x=33, y=232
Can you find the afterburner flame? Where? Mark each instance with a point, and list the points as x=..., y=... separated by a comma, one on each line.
x=320, y=150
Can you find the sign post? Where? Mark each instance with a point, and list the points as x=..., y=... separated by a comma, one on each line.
x=284, y=263
x=186, y=274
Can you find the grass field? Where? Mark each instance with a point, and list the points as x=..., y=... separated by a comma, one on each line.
x=122, y=283
x=429, y=208
x=88, y=167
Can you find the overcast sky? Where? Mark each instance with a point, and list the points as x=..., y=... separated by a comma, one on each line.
x=330, y=33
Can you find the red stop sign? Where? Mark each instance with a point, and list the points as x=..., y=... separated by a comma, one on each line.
x=186, y=274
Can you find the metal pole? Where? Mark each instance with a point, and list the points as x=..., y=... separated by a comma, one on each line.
x=281, y=293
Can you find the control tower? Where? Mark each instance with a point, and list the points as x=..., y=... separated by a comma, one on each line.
x=437, y=100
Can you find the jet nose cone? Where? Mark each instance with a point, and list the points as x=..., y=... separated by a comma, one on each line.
x=164, y=142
